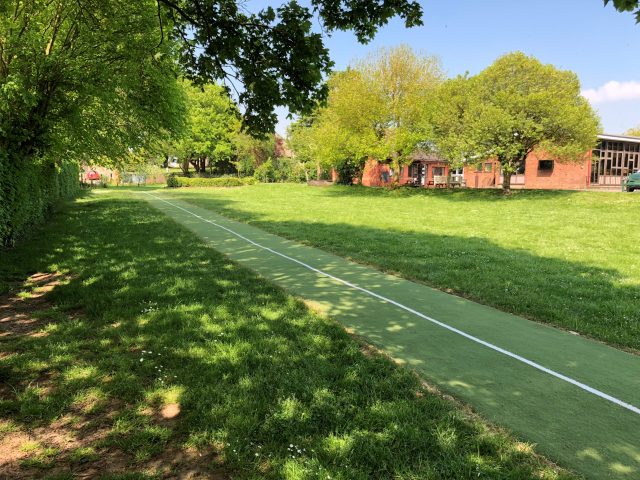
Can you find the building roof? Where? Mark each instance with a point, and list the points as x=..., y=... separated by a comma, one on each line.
x=619, y=138
x=421, y=155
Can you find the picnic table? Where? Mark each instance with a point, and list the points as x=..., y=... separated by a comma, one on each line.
x=444, y=181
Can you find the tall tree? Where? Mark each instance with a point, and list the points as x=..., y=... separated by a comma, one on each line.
x=78, y=79
x=251, y=152
x=83, y=78
x=513, y=107
x=300, y=139
x=211, y=127
x=401, y=82
x=376, y=110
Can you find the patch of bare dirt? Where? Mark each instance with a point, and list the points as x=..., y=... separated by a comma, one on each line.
x=17, y=312
x=170, y=411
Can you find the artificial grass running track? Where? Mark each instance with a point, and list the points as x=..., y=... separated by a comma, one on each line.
x=579, y=429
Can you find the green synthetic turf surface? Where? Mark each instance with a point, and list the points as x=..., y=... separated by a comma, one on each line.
x=576, y=428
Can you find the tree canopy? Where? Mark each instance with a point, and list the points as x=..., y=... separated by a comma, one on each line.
x=95, y=77
x=375, y=109
x=633, y=132
x=515, y=106
x=211, y=129
x=273, y=57
x=626, y=6
x=83, y=78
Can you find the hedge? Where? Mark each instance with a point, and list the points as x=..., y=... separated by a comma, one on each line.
x=175, y=181
x=28, y=191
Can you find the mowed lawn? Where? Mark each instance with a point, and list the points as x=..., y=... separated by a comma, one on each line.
x=130, y=350
x=571, y=259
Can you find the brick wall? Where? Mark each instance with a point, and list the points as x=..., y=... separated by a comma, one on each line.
x=375, y=173
x=564, y=176
x=487, y=177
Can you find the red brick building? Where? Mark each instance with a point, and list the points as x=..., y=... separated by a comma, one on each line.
x=605, y=168
x=423, y=171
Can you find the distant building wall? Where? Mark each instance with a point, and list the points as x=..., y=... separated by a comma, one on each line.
x=560, y=176
x=376, y=174
x=541, y=171
x=484, y=174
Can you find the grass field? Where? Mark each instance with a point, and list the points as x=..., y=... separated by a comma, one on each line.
x=128, y=349
x=571, y=259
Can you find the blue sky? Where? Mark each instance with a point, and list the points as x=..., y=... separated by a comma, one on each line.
x=598, y=43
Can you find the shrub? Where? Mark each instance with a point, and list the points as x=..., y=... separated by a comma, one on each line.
x=29, y=190
x=265, y=172
x=175, y=181
x=172, y=181
x=280, y=170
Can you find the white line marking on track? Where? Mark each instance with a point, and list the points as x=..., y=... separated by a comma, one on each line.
x=515, y=356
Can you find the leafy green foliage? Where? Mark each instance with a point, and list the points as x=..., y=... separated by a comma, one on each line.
x=626, y=6
x=375, y=110
x=265, y=172
x=510, y=109
x=251, y=152
x=172, y=181
x=281, y=170
x=273, y=53
x=633, y=132
x=81, y=79
x=28, y=192
x=78, y=80
x=211, y=128
x=87, y=80
x=176, y=181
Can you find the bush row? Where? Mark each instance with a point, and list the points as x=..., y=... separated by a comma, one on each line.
x=28, y=191
x=175, y=181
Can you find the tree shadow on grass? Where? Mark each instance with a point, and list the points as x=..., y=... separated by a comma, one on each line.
x=149, y=321
x=593, y=301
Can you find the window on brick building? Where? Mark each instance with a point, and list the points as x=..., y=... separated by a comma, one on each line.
x=545, y=165
x=488, y=167
x=478, y=167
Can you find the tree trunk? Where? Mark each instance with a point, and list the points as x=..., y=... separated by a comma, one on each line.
x=184, y=166
x=506, y=182
x=318, y=171
x=397, y=173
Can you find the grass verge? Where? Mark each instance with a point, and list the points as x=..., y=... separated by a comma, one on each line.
x=130, y=350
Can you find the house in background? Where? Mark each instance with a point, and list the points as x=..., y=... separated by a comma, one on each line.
x=605, y=168
x=422, y=171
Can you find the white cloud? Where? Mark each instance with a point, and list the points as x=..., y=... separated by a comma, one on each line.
x=613, y=91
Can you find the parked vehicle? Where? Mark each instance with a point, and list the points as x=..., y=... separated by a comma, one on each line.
x=633, y=182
